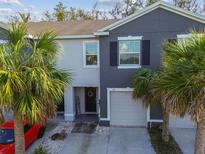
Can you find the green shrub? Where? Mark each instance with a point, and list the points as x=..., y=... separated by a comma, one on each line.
x=40, y=150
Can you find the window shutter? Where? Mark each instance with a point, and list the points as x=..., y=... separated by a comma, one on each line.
x=113, y=54
x=145, y=52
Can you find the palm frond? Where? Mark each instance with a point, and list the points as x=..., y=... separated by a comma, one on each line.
x=182, y=80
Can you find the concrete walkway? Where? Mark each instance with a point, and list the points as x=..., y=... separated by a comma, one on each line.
x=117, y=141
x=185, y=137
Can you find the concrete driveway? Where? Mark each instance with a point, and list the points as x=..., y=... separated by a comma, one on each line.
x=117, y=141
x=185, y=137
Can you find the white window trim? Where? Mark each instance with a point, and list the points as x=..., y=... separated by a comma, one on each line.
x=129, y=66
x=184, y=36
x=84, y=54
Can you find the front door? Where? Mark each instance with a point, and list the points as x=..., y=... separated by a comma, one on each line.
x=90, y=100
x=60, y=107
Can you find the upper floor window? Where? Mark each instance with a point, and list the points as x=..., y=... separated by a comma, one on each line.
x=129, y=51
x=91, y=53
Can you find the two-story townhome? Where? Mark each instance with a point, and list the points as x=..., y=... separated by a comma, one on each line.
x=103, y=55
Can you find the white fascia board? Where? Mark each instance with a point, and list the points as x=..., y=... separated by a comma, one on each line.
x=150, y=8
x=66, y=37
x=101, y=33
x=75, y=36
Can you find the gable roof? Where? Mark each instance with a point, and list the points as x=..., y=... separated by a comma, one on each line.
x=152, y=7
x=69, y=28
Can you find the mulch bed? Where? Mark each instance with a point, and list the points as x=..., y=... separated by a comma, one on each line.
x=161, y=147
x=87, y=128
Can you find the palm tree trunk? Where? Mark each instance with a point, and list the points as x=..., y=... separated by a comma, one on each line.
x=19, y=135
x=200, y=137
x=1, y=117
x=165, y=125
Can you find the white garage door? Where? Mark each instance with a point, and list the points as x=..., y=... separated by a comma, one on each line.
x=177, y=122
x=124, y=111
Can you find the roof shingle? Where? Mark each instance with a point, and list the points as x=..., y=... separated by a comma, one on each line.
x=84, y=27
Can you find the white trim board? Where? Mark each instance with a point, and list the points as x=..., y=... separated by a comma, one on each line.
x=160, y=4
x=66, y=36
x=75, y=36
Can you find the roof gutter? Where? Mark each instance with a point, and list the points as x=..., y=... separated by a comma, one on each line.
x=99, y=33
x=66, y=36
x=75, y=36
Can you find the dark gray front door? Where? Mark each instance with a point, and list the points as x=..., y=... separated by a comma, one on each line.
x=90, y=99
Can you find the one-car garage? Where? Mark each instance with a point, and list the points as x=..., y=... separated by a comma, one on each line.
x=124, y=110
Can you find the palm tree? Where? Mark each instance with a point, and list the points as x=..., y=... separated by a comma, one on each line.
x=143, y=88
x=1, y=117
x=30, y=84
x=25, y=17
x=182, y=82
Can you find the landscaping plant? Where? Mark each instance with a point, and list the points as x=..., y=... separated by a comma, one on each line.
x=143, y=89
x=182, y=82
x=40, y=150
x=31, y=86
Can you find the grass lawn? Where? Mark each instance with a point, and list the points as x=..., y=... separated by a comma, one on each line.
x=161, y=147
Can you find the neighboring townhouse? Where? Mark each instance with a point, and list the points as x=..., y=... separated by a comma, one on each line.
x=103, y=55
x=79, y=54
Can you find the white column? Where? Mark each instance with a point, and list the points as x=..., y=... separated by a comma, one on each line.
x=69, y=113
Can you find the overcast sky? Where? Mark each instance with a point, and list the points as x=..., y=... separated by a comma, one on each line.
x=37, y=7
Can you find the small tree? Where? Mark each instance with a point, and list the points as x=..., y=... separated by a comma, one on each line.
x=47, y=16
x=60, y=12
x=190, y=5
x=25, y=17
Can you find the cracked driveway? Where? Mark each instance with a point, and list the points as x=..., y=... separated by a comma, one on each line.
x=117, y=141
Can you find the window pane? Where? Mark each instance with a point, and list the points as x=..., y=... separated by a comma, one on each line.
x=129, y=58
x=91, y=60
x=129, y=46
x=91, y=48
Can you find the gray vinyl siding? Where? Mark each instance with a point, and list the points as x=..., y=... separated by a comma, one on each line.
x=155, y=26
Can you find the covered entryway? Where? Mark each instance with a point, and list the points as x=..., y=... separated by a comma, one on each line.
x=125, y=111
x=86, y=104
